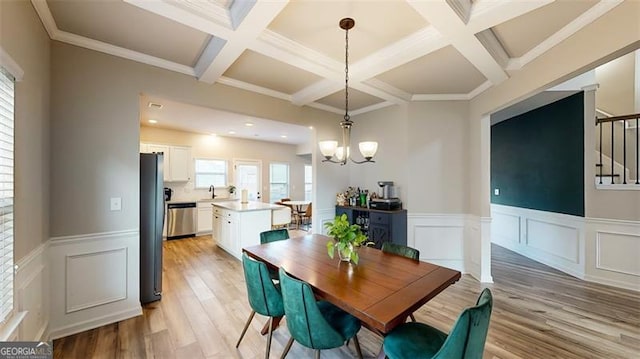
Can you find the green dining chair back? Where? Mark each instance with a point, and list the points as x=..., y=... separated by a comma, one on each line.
x=274, y=235
x=315, y=324
x=405, y=251
x=399, y=249
x=264, y=296
x=465, y=341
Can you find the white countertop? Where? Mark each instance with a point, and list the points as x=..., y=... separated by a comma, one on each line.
x=246, y=207
x=218, y=199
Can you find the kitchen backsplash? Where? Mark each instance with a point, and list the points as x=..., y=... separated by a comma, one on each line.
x=185, y=191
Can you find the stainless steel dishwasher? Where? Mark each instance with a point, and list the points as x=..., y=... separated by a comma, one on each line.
x=181, y=220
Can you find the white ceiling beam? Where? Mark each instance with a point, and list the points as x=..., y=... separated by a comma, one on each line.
x=383, y=90
x=181, y=15
x=254, y=23
x=462, y=8
x=486, y=14
x=316, y=91
x=253, y=88
x=568, y=30
x=442, y=17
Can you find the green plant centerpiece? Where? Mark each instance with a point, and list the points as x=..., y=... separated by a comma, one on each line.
x=346, y=239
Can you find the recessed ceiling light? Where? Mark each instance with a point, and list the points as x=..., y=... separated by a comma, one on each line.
x=213, y=134
x=153, y=121
x=311, y=127
x=232, y=132
x=157, y=106
x=248, y=124
x=283, y=136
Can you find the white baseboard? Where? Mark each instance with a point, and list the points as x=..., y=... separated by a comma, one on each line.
x=31, y=294
x=94, y=280
x=93, y=323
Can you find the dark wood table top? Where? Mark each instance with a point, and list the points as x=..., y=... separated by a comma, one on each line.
x=381, y=290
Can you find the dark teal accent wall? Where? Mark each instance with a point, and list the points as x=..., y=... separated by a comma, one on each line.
x=537, y=158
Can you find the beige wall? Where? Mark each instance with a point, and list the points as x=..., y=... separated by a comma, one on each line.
x=609, y=37
x=95, y=133
x=227, y=148
x=27, y=43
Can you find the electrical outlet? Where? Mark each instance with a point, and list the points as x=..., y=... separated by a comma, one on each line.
x=496, y=191
x=116, y=203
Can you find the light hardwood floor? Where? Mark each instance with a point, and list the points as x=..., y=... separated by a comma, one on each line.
x=538, y=313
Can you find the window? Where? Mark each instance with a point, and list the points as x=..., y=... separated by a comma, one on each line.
x=278, y=181
x=6, y=193
x=308, y=181
x=210, y=172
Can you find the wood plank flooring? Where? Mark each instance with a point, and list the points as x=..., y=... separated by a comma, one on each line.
x=538, y=313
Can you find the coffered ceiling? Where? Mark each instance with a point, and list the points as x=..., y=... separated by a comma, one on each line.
x=399, y=51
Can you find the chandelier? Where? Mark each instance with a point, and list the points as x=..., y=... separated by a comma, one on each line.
x=330, y=148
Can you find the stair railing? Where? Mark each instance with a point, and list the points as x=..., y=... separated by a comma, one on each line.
x=624, y=120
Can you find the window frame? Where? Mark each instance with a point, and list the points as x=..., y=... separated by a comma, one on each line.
x=287, y=183
x=310, y=183
x=196, y=173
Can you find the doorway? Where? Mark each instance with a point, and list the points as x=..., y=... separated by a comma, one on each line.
x=248, y=175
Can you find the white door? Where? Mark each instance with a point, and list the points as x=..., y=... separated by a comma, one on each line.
x=248, y=175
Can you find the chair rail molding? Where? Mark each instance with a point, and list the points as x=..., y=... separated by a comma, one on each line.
x=94, y=280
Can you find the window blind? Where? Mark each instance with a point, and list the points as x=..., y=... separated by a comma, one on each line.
x=6, y=193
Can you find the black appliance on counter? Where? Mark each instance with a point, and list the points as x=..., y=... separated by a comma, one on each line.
x=152, y=197
x=167, y=194
x=387, y=204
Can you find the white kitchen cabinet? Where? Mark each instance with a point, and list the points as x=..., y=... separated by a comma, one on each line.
x=177, y=160
x=205, y=217
x=180, y=163
x=240, y=224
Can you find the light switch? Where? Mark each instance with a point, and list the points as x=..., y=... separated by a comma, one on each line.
x=496, y=191
x=116, y=203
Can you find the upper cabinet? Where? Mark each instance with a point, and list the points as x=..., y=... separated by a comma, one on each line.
x=177, y=161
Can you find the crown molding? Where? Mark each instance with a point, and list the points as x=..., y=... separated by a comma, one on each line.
x=208, y=9
x=486, y=14
x=568, y=30
x=239, y=10
x=453, y=97
x=253, y=88
x=370, y=108
x=462, y=8
x=43, y=11
x=327, y=108
x=208, y=55
x=480, y=89
x=380, y=93
x=490, y=41
x=100, y=46
x=381, y=85
x=316, y=91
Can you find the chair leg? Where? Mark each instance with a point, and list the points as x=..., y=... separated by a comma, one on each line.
x=287, y=348
x=317, y=353
x=357, y=345
x=413, y=319
x=253, y=312
x=266, y=355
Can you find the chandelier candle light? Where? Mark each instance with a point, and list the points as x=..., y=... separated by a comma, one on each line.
x=330, y=148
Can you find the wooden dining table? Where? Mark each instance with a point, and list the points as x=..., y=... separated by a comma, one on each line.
x=381, y=290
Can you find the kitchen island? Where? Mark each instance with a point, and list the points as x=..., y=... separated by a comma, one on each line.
x=237, y=225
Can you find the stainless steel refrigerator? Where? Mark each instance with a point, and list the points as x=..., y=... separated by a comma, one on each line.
x=151, y=223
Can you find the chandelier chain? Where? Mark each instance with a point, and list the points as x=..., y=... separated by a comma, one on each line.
x=346, y=76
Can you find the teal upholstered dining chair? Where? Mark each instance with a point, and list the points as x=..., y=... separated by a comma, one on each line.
x=264, y=296
x=274, y=235
x=315, y=324
x=405, y=251
x=465, y=341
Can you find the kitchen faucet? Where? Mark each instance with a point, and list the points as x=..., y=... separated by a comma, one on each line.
x=213, y=192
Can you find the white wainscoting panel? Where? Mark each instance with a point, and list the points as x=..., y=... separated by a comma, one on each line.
x=554, y=239
x=32, y=286
x=94, y=281
x=323, y=216
x=104, y=272
x=613, y=252
x=440, y=238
